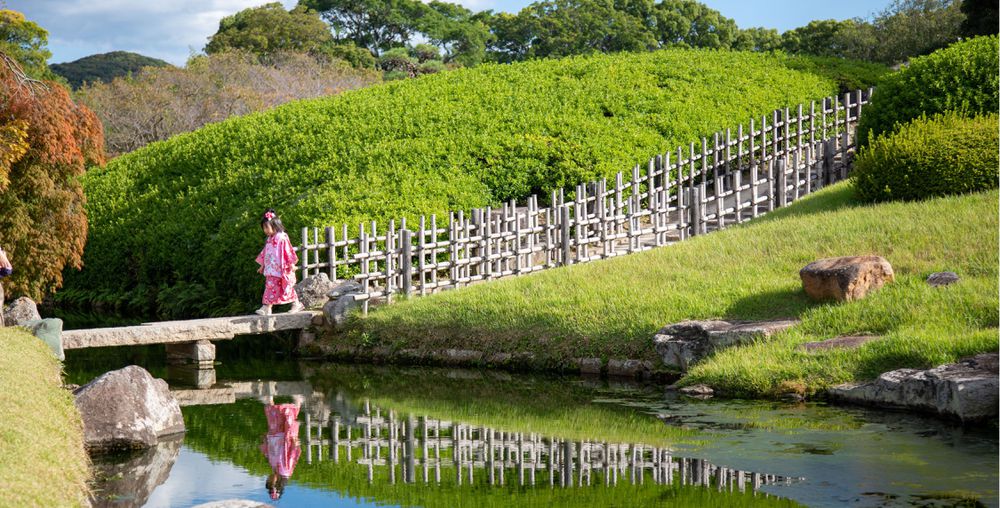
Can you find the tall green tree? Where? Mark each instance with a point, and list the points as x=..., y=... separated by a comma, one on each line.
x=757, y=39
x=26, y=42
x=820, y=37
x=909, y=28
x=459, y=33
x=269, y=28
x=687, y=23
x=374, y=24
x=573, y=27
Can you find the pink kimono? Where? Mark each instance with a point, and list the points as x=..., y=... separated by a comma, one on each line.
x=277, y=262
x=281, y=443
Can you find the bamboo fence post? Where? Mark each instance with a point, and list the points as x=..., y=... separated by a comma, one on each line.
x=798, y=152
x=407, y=262
x=564, y=226
x=331, y=253
x=717, y=183
x=811, y=154
x=738, y=173
x=304, y=258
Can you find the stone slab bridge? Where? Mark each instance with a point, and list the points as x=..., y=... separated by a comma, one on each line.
x=189, y=341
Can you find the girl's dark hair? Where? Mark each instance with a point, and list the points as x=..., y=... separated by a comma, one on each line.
x=274, y=221
x=276, y=483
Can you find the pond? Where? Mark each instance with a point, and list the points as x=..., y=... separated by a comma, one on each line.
x=394, y=436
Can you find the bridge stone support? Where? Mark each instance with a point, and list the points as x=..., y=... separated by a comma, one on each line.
x=201, y=352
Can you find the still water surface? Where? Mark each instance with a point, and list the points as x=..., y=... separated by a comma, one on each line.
x=389, y=436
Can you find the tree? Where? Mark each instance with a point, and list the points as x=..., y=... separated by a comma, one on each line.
x=757, y=39
x=687, y=23
x=909, y=28
x=819, y=37
x=378, y=25
x=25, y=42
x=269, y=28
x=981, y=18
x=459, y=33
x=48, y=142
x=104, y=67
x=157, y=103
x=905, y=29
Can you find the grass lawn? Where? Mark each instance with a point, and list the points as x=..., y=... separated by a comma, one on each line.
x=42, y=459
x=612, y=309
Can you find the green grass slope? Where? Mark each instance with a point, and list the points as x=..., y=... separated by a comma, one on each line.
x=42, y=459
x=613, y=308
x=174, y=226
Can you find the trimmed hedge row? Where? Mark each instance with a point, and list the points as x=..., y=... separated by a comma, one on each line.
x=962, y=77
x=937, y=156
x=174, y=226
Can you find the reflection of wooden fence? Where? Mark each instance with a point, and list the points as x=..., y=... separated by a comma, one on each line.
x=730, y=178
x=425, y=445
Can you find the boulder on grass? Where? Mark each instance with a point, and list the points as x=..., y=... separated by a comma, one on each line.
x=19, y=311
x=312, y=290
x=127, y=409
x=845, y=278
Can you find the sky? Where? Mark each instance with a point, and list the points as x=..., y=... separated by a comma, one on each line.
x=173, y=30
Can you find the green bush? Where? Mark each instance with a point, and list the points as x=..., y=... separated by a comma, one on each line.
x=962, y=77
x=174, y=226
x=850, y=75
x=944, y=154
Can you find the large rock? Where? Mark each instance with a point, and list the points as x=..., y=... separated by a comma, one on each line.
x=845, y=278
x=312, y=290
x=966, y=390
x=336, y=311
x=127, y=409
x=19, y=311
x=682, y=344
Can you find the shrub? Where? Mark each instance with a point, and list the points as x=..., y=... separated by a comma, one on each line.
x=46, y=142
x=186, y=209
x=944, y=154
x=961, y=77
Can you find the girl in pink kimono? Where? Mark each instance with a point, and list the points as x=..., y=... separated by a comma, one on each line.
x=281, y=443
x=277, y=263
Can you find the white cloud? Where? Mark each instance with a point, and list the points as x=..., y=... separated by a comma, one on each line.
x=170, y=30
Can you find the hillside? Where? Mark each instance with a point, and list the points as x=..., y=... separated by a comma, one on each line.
x=454, y=140
x=104, y=67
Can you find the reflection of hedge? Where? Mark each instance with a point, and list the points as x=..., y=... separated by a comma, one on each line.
x=945, y=154
x=962, y=77
x=174, y=225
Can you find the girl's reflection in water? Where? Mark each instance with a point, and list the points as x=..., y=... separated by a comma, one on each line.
x=281, y=443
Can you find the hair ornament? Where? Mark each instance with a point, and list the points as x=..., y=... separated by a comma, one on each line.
x=268, y=215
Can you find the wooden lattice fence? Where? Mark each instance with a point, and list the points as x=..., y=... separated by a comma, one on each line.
x=729, y=178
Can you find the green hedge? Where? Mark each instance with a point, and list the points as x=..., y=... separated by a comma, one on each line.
x=962, y=77
x=174, y=226
x=937, y=156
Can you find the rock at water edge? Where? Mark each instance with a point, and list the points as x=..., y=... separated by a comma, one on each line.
x=127, y=409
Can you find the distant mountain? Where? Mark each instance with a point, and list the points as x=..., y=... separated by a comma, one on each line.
x=104, y=67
